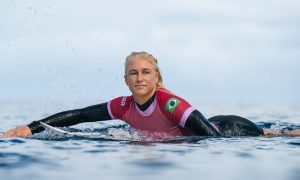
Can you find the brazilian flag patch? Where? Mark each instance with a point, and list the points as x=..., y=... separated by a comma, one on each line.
x=172, y=104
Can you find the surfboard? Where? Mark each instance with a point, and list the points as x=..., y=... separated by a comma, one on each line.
x=101, y=136
x=79, y=134
x=55, y=129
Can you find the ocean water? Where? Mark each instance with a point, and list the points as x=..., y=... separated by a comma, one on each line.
x=117, y=153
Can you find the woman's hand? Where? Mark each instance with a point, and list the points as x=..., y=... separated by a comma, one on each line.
x=21, y=131
x=270, y=132
x=290, y=133
x=294, y=132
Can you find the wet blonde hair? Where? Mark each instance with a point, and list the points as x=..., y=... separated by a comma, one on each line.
x=150, y=58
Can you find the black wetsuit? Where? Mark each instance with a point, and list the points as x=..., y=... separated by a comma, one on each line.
x=196, y=123
x=236, y=126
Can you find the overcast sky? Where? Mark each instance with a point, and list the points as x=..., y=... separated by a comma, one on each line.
x=208, y=50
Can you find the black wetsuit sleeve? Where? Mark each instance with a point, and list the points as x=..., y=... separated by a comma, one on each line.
x=68, y=118
x=199, y=125
x=231, y=125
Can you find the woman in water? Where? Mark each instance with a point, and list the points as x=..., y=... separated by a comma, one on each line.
x=151, y=109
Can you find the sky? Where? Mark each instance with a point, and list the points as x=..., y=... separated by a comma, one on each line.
x=212, y=51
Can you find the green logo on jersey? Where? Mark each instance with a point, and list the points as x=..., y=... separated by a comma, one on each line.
x=172, y=104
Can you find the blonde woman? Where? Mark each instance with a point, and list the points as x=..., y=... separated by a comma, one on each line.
x=151, y=109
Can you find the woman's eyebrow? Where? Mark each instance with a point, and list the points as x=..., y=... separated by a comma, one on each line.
x=144, y=69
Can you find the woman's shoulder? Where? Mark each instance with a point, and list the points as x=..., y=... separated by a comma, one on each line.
x=171, y=105
x=165, y=96
x=117, y=107
x=122, y=101
x=164, y=91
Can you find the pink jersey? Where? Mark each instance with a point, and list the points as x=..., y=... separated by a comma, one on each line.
x=166, y=115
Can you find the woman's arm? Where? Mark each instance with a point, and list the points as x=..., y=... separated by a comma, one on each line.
x=67, y=118
x=199, y=125
x=276, y=133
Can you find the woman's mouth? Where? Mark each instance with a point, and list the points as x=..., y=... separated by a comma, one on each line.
x=139, y=86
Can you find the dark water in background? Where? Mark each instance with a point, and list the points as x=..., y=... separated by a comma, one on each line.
x=48, y=156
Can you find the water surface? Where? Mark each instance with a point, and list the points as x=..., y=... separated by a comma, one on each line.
x=49, y=156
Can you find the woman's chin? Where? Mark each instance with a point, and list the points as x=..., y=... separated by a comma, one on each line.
x=141, y=92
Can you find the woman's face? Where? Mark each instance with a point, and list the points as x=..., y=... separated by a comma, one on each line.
x=141, y=77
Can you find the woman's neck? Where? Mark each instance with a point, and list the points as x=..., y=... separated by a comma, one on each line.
x=145, y=106
x=140, y=100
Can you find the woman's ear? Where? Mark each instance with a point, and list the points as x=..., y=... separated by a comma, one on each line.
x=125, y=78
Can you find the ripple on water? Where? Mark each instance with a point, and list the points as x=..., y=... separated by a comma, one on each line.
x=13, y=160
x=95, y=151
x=245, y=155
x=65, y=148
x=153, y=164
x=297, y=143
x=13, y=140
x=16, y=141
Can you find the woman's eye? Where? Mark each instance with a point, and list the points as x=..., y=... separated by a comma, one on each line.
x=133, y=73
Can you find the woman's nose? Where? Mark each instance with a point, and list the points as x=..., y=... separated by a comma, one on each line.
x=140, y=77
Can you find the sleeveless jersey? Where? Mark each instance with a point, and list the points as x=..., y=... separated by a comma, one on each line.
x=165, y=117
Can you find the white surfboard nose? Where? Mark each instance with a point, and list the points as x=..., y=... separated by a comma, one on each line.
x=46, y=126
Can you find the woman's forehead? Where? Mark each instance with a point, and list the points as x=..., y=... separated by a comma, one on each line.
x=139, y=63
